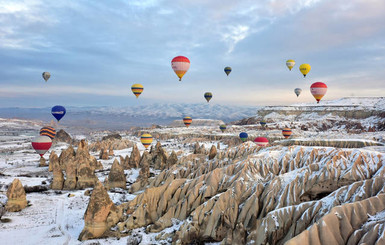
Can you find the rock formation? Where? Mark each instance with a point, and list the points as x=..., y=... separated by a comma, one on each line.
x=111, y=143
x=103, y=154
x=62, y=136
x=58, y=176
x=134, y=158
x=213, y=152
x=144, y=173
x=17, y=199
x=116, y=177
x=42, y=162
x=100, y=215
x=50, y=160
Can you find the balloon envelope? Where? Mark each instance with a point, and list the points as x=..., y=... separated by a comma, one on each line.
x=286, y=132
x=304, y=68
x=263, y=123
x=48, y=131
x=41, y=144
x=290, y=64
x=227, y=70
x=137, y=89
x=318, y=90
x=297, y=91
x=187, y=121
x=180, y=65
x=46, y=75
x=243, y=136
x=222, y=128
x=146, y=140
x=261, y=141
x=58, y=112
x=208, y=96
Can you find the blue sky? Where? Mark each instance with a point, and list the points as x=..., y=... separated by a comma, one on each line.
x=95, y=50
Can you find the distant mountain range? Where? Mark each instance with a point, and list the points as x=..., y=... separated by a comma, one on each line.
x=121, y=118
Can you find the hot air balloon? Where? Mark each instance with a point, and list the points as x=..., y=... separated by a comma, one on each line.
x=187, y=121
x=318, y=90
x=304, y=68
x=180, y=65
x=222, y=128
x=290, y=64
x=137, y=89
x=243, y=136
x=261, y=141
x=297, y=91
x=58, y=112
x=41, y=144
x=46, y=75
x=227, y=70
x=263, y=123
x=208, y=96
x=146, y=140
x=286, y=132
x=48, y=131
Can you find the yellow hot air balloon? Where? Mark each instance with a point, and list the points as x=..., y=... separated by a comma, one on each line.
x=146, y=140
x=304, y=68
x=290, y=64
x=137, y=89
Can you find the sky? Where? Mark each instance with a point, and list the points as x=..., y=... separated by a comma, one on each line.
x=95, y=51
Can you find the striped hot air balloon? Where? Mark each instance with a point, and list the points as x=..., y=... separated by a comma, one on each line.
x=180, y=65
x=286, y=132
x=48, y=131
x=222, y=128
x=227, y=70
x=41, y=144
x=261, y=141
x=208, y=96
x=318, y=90
x=187, y=121
x=137, y=89
x=146, y=140
x=243, y=136
x=263, y=123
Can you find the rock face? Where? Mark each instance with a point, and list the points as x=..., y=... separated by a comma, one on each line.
x=100, y=215
x=134, y=158
x=112, y=136
x=246, y=195
x=213, y=152
x=116, y=177
x=111, y=143
x=42, y=162
x=58, y=176
x=17, y=199
x=62, y=136
x=103, y=154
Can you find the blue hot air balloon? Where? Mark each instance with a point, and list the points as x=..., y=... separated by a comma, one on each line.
x=58, y=112
x=243, y=136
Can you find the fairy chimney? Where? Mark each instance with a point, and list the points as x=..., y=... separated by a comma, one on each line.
x=17, y=199
x=116, y=177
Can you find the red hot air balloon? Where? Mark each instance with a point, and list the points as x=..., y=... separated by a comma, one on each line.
x=261, y=141
x=41, y=144
x=318, y=90
x=180, y=65
x=286, y=132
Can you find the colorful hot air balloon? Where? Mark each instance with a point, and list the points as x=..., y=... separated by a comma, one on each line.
x=137, y=89
x=304, y=68
x=263, y=123
x=208, y=96
x=58, y=112
x=297, y=91
x=227, y=70
x=261, y=141
x=41, y=144
x=222, y=128
x=318, y=90
x=187, y=121
x=146, y=140
x=243, y=136
x=290, y=64
x=286, y=132
x=46, y=75
x=180, y=65
x=48, y=131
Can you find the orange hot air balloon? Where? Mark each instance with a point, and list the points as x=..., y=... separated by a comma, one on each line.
x=180, y=65
x=146, y=140
x=318, y=90
x=187, y=121
x=286, y=132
